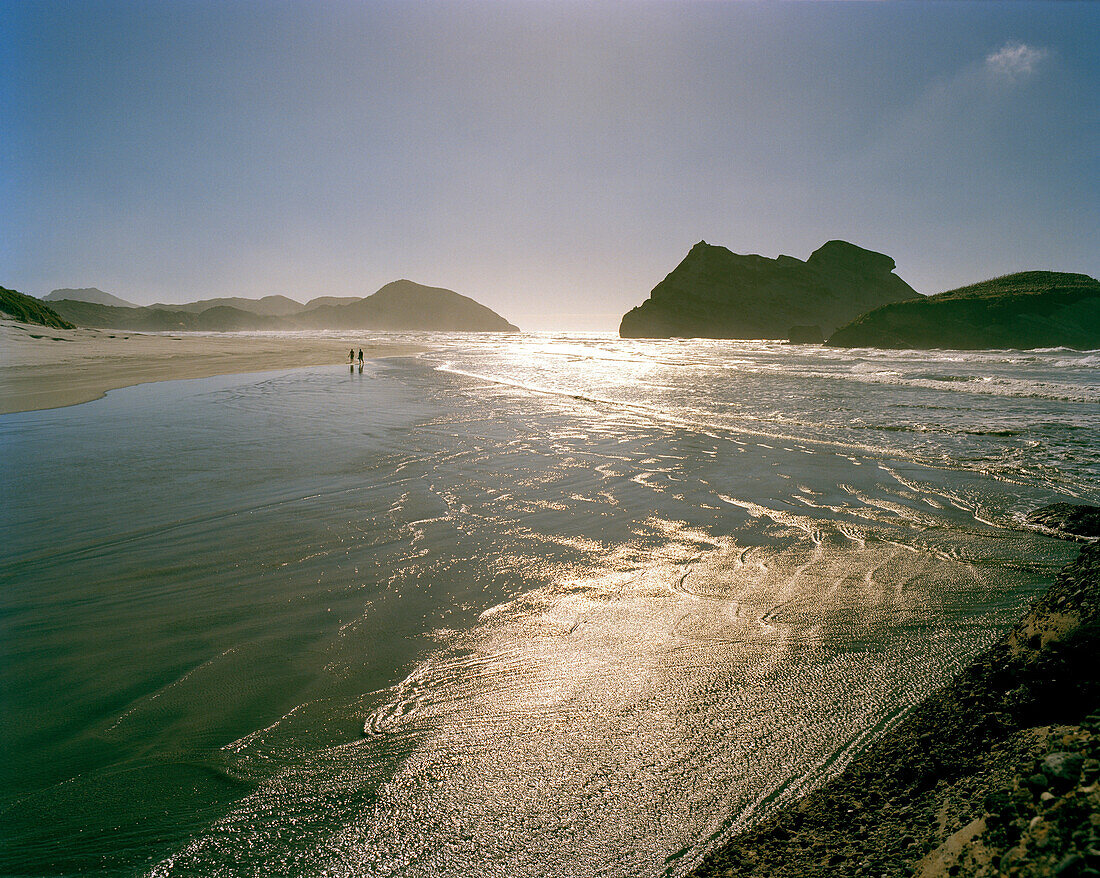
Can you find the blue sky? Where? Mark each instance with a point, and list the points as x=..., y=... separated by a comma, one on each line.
x=552, y=160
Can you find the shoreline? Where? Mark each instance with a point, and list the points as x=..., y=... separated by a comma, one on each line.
x=995, y=774
x=44, y=368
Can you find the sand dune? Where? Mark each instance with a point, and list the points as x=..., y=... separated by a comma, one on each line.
x=43, y=368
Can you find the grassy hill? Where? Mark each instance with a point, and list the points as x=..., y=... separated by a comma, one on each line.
x=1029, y=309
x=27, y=309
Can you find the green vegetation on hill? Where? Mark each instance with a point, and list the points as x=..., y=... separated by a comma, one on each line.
x=27, y=309
x=714, y=293
x=1030, y=309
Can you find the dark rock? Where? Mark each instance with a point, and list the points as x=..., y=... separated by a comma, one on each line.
x=1069, y=865
x=714, y=293
x=1063, y=769
x=1068, y=518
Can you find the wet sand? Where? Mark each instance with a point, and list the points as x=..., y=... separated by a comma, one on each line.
x=994, y=774
x=42, y=368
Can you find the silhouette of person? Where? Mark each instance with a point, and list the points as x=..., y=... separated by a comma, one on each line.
x=351, y=355
x=360, y=356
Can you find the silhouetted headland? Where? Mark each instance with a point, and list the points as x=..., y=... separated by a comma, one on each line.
x=715, y=293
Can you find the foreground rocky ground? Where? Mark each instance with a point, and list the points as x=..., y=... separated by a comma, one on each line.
x=997, y=774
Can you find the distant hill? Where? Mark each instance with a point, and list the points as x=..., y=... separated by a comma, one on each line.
x=404, y=305
x=88, y=294
x=218, y=319
x=268, y=306
x=27, y=309
x=401, y=305
x=331, y=300
x=1030, y=309
x=714, y=293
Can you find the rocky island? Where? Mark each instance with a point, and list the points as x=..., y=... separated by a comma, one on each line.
x=1030, y=309
x=714, y=293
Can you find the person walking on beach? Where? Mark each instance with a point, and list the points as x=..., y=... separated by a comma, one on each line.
x=351, y=355
x=360, y=356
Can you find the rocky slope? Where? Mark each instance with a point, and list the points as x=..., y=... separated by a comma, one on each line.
x=1031, y=309
x=996, y=774
x=714, y=293
x=27, y=309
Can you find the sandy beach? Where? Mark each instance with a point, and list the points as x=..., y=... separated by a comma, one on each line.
x=42, y=368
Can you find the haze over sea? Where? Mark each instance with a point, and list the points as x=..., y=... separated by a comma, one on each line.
x=521, y=605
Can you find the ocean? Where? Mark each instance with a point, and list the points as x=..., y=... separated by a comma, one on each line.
x=531, y=605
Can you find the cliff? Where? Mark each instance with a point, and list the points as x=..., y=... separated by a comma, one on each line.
x=995, y=774
x=714, y=293
x=27, y=309
x=1031, y=309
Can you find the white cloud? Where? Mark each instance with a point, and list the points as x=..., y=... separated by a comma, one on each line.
x=1015, y=60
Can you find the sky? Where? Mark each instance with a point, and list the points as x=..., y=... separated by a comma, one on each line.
x=553, y=160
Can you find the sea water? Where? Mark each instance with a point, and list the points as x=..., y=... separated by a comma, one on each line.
x=521, y=605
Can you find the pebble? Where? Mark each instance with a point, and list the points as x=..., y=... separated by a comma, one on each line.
x=1063, y=768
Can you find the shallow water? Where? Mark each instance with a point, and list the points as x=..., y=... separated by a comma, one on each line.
x=527, y=605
